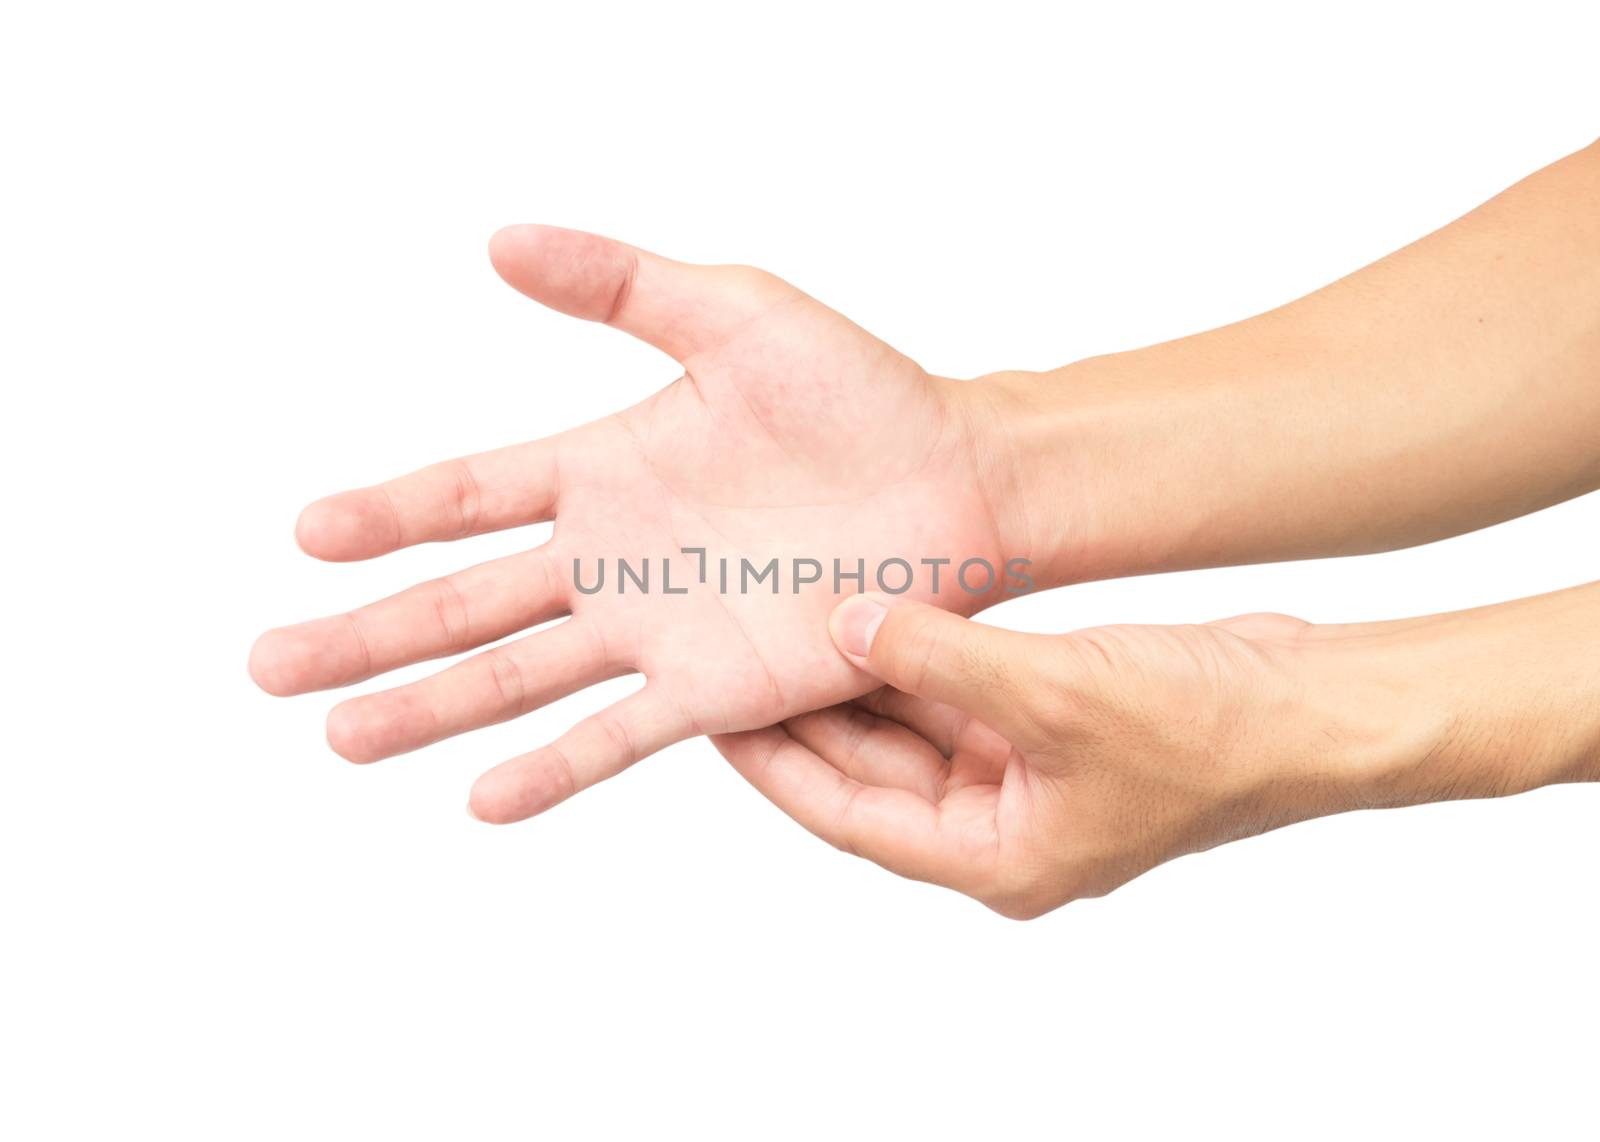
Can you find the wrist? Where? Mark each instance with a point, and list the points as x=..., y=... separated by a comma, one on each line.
x=1021, y=440
x=1202, y=452
x=1065, y=461
x=1482, y=703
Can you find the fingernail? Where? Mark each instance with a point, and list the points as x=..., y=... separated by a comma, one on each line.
x=858, y=623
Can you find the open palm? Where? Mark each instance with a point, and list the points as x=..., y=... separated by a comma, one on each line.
x=792, y=435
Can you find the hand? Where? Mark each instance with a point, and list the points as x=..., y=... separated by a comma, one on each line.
x=792, y=433
x=1027, y=770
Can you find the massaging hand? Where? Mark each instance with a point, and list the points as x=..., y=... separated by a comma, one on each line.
x=792, y=433
x=1029, y=770
x=1441, y=389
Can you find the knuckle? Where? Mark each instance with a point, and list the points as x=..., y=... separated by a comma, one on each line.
x=545, y=579
x=562, y=777
x=510, y=684
x=626, y=273
x=862, y=730
x=912, y=654
x=450, y=610
x=1071, y=689
x=617, y=734
x=842, y=834
x=753, y=279
x=464, y=496
x=1047, y=703
x=366, y=666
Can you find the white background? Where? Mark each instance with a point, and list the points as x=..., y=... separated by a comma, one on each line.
x=243, y=266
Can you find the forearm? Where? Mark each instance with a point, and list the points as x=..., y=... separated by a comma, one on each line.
x=1449, y=386
x=1482, y=703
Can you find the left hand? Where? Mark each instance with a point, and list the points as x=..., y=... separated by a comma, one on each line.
x=792, y=433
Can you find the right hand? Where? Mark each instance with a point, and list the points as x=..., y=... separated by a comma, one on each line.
x=1030, y=770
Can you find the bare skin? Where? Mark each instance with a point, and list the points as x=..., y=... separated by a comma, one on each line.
x=1449, y=386
x=1031, y=770
x=792, y=433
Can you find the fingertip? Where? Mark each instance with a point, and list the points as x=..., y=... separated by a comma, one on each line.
x=573, y=272
x=269, y=666
x=317, y=529
x=507, y=240
x=514, y=791
x=854, y=624
x=514, y=249
x=348, y=734
x=505, y=233
x=345, y=527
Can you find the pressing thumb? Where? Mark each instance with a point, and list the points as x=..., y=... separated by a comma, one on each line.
x=933, y=654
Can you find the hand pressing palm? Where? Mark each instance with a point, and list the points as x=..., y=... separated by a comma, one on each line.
x=1029, y=770
x=792, y=433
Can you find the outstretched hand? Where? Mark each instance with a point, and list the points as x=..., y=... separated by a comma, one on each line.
x=792, y=433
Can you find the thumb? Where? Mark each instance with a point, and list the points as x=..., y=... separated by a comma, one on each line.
x=681, y=309
x=936, y=655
